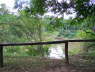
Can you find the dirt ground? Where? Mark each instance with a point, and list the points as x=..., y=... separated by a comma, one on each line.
x=64, y=68
x=43, y=65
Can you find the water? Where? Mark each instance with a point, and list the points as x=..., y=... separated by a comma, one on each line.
x=56, y=52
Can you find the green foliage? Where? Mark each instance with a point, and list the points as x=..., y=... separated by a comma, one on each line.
x=87, y=32
x=75, y=51
x=84, y=8
x=3, y=9
x=30, y=27
x=37, y=6
x=23, y=29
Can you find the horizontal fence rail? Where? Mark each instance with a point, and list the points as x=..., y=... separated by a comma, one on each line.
x=41, y=43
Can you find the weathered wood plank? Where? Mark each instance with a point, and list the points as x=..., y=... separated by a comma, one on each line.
x=66, y=53
x=1, y=56
x=43, y=43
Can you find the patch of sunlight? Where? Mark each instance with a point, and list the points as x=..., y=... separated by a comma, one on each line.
x=56, y=52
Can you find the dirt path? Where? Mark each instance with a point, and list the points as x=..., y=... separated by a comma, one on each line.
x=47, y=69
x=44, y=65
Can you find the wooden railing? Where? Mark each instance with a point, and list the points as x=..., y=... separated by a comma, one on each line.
x=2, y=45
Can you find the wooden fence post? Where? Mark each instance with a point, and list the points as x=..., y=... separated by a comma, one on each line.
x=1, y=56
x=66, y=53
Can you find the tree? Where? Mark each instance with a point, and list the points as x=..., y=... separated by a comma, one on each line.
x=84, y=8
x=3, y=9
x=37, y=6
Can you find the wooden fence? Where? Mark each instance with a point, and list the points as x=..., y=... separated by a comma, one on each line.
x=2, y=45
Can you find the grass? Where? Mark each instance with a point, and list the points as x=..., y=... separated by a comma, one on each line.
x=75, y=48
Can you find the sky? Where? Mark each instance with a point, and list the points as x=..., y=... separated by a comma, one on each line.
x=10, y=5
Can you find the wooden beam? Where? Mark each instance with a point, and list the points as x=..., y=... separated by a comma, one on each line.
x=66, y=53
x=1, y=56
x=43, y=43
